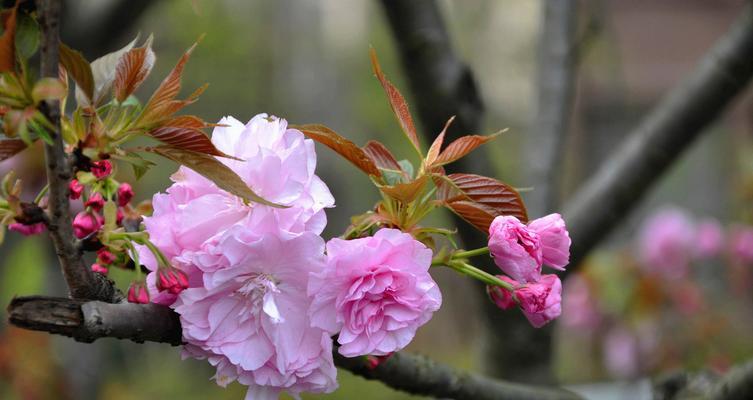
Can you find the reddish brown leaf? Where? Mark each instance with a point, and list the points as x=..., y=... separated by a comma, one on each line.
x=405, y=192
x=478, y=215
x=498, y=196
x=381, y=155
x=186, y=121
x=162, y=104
x=8, y=42
x=79, y=69
x=436, y=146
x=133, y=68
x=340, y=145
x=186, y=138
x=397, y=102
x=461, y=147
x=10, y=147
x=215, y=171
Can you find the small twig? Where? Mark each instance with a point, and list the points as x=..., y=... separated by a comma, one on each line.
x=88, y=321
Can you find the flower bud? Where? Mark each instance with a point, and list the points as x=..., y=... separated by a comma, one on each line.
x=99, y=268
x=86, y=223
x=75, y=188
x=125, y=194
x=137, y=293
x=96, y=202
x=27, y=230
x=515, y=248
x=171, y=280
x=501, y=296
x=105, y=257
x=101, y=169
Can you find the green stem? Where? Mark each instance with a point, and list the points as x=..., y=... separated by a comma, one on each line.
x=471, y=253
x=470, y=270
x=41, y=194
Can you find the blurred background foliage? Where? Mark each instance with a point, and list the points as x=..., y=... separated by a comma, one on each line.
x=307, y=61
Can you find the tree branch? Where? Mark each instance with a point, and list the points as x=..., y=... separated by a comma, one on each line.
x=736, y=384
x=88, y=321
x=660, y=139
x=82, y=282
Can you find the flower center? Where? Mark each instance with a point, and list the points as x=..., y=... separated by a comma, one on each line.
x=258, y=290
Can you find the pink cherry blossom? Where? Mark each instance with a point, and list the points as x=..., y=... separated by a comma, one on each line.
x=621, y=353
x=86, y=223
x=741, y=244
x=96, y=202
x=516, y=249
x=555, y=240
x=28, y=230
x=101, y=169
x=666, y=242
x=708, y=238
x=137, y=293
x=75, y=188
x=251, y=319
x=376, y=292
x=99, y=268
x=540, y=301
x=171, y=280
x=105, y=257
x=579, y=304
x=125, y=194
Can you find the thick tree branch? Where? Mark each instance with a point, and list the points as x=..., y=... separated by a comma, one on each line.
x=82, y=282
x=660, y=138
x=554, y=101
x=736, y=384
x=88, y=321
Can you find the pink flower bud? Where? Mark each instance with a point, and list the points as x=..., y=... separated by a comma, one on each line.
x=99, y=268
x=27, y=230
x=96, y=202
x=500, y=296
x=125, y=194
x=137, y=293
x=555, y=240
x=75, y=188
x=541, y=301
x=101, y=169
x=171, y=280
x=105, y=257
x=86, y=223
x=742, y=244
x=516, y=249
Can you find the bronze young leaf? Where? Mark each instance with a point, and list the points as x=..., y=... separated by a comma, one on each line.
x=79, y=69
x=340, y=145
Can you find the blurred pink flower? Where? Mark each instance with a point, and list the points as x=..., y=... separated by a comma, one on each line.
x=666, y=243
x=709, y=239
x=579, y=304
x=28, y=230
x=251, y=318
x=741, y=244
x=96, y=202
x=376, y=292
x=75, y=188
x=620, y=349
x=516, y=249
x=105, y=257
x=99, y=268
x=555, y=240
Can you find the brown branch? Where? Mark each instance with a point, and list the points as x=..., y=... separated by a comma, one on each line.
x=88, y=321
x=736, y=384
x=82, y=282
x=661, y=138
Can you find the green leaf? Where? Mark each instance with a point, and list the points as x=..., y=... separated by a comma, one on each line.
x=48, y=89
x=215, y=171
x=111, y=214
x=407, y=167
x=27, y=35
x=139, y=164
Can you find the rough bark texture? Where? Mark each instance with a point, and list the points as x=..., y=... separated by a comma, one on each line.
x=82, y=282
x=660, y=138
x=88, y=321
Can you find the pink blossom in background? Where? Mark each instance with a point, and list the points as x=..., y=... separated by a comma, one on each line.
x=252, y=319
x=709, y=239
x=666, y=242
x=99, y=268
x=741, y=244
x=27, y=230
x=555, y=240
x=516, y=249
x=579, y=308
x=376, y=291
x=620, y=350
x=541, y=301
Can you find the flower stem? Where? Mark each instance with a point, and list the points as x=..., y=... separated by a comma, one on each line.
x=471, y=253
x=473, y=272
x=41, y=194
